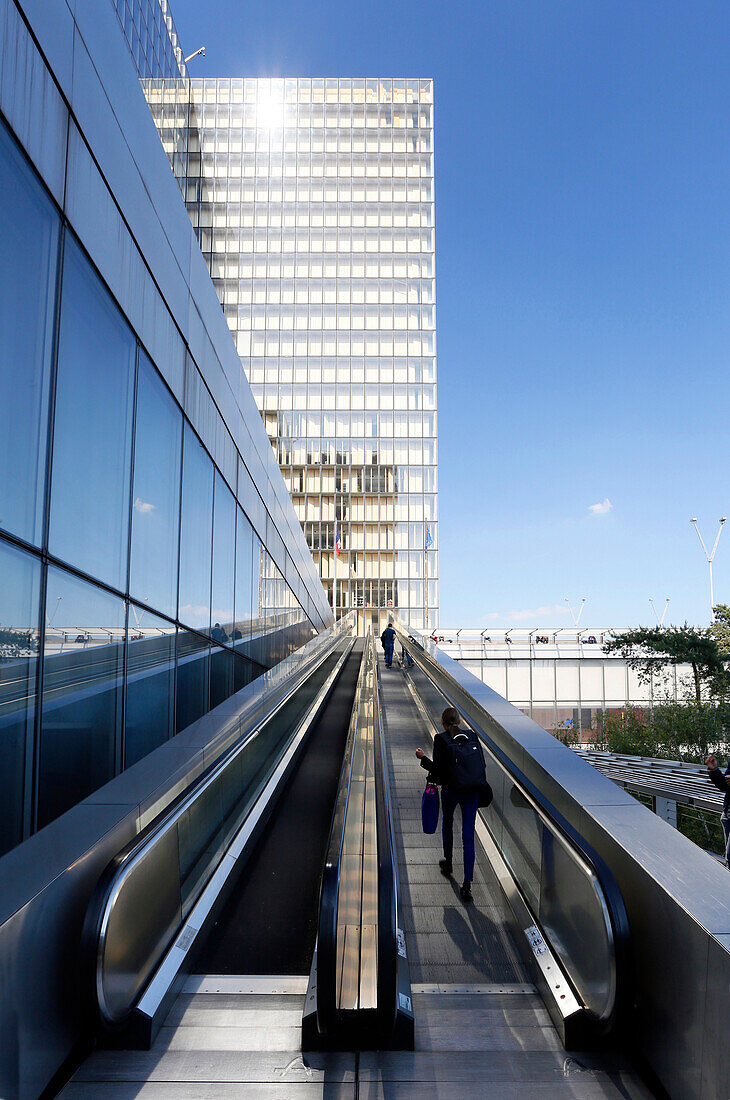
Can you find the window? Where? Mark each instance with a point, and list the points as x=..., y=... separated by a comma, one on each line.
x=244, y=584
x=156, y=493
x=29, y=230
x=19, y=597
x=196, y=532
x=93, y=427
x=224, y=545
x=192, y=678
x=83, y=664
x=150, y=684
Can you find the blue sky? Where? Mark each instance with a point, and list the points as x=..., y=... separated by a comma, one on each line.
x=583, y=281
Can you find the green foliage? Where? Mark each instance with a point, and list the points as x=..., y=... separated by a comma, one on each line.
x=720, y=629
x=667, y=731
x=650, y=649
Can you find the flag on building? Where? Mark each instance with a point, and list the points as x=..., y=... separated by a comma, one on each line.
x=429, y=540
x=338, y=546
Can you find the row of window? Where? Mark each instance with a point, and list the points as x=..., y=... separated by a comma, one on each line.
x=288, y=291
x=315, y=240
x=384, y=537
x=388, y=508
x=332, y=342
x=347, y=369
x=310, y=168
x=326, y=215
x=355, y=452
x=315, y=265
x=409, y=596
x=315, y=90
x=269, y=111
x=315, y=317
x=362, y=479
x=290, y=424
x=221, y=188
x=390, y=397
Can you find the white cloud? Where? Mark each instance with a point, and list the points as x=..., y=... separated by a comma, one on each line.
x=536, y=613
x=601, y=508
x=143, y=507
x=491, y=616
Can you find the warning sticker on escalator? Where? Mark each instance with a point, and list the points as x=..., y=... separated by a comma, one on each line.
x=535, y=940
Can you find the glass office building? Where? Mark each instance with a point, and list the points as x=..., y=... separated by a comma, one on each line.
x=151, y=563
x=314, y=208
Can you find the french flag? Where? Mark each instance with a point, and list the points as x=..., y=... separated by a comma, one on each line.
x=338, y=545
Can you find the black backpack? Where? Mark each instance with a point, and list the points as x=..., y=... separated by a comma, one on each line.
x=469, y=772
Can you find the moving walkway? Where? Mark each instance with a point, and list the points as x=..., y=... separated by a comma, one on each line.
x=348, y=927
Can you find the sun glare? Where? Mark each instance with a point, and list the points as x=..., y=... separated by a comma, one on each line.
x=269, y=113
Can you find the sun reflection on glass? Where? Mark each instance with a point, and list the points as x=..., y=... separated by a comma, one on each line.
x=269, y=113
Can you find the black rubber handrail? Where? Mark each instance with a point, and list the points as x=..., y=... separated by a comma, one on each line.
x=327, y=1014
x=612, y=895
x=387, y=883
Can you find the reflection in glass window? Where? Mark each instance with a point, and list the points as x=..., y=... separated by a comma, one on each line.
x=29, y=228
x=192, y=678
x=156, y=493
x=19, y=612
x=150, y=709
x=244, y=584
x=221, y=675
x=196, y=532
x=224, y=550
x=83, y=663
x=93, y=427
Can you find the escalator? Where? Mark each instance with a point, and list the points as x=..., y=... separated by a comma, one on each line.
x=269, y=923
x=255, y=865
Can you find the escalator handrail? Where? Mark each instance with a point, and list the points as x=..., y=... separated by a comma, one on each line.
x=614, y=906
x=330, y=886
x=112, y=880
x=387, y=878
x=387, y=941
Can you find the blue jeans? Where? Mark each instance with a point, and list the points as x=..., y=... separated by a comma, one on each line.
x=468, y=803
x=389, y=655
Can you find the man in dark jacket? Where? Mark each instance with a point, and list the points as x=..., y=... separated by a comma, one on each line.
x=722, y=782
x=388, y=640
x=441, y=770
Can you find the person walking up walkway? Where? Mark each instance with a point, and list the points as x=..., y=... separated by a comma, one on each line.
x=388, y=640
x=722, y=781
x=458, y=768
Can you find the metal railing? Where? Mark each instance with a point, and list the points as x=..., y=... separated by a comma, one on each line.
x=575, y=904
x=153, y=898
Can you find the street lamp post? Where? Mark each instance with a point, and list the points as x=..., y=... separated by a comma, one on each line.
x=660, y=622
x=710, y=557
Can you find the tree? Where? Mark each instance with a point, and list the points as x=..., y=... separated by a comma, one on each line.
x=720, y=629
x=649, y=649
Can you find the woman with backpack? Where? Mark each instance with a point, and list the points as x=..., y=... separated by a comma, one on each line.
x=458, y=767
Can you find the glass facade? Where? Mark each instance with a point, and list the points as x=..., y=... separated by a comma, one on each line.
x=150, y=32
x=135, y=593
x=314, y=208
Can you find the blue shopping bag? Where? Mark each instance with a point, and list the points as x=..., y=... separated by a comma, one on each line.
x=430, y=808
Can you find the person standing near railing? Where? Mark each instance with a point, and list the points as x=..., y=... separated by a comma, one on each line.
x=722, y=782
x=458, y=767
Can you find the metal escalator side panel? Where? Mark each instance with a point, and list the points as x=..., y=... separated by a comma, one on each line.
x=144, y=896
